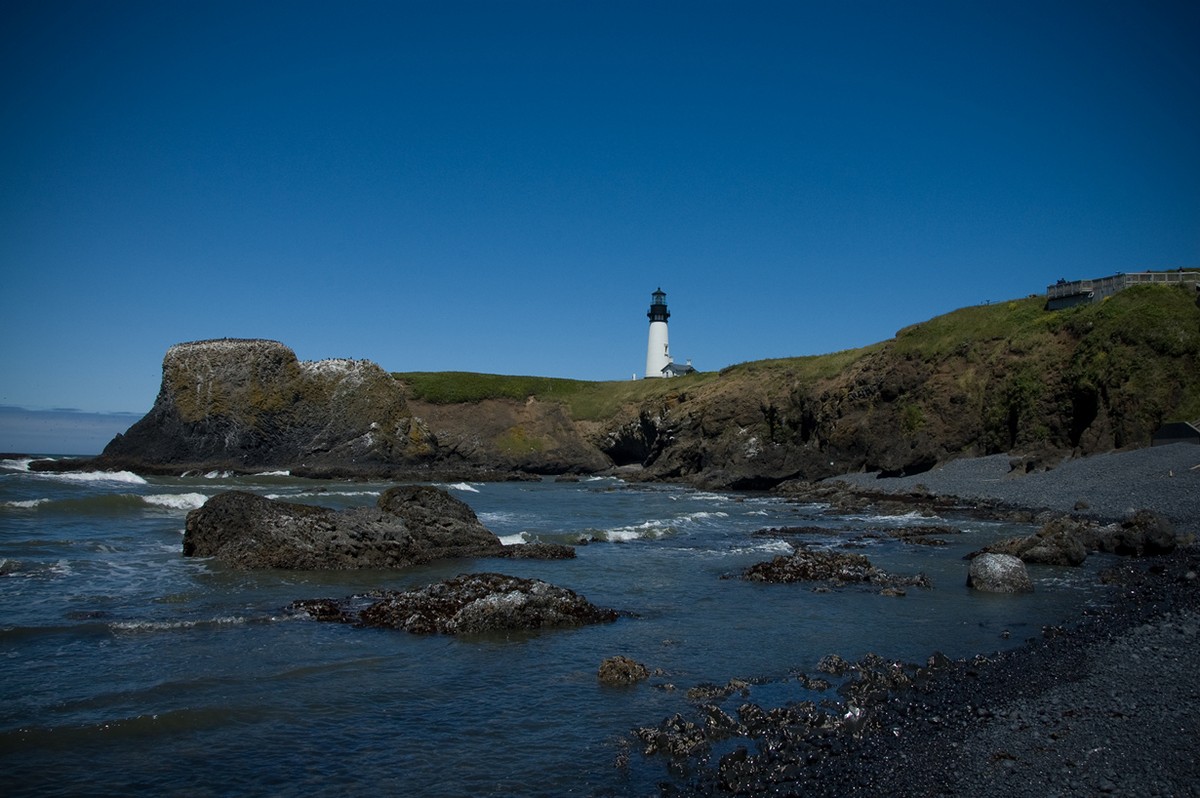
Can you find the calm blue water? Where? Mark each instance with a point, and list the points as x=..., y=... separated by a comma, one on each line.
x=125, y=667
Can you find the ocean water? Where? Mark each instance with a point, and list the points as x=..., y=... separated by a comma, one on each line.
x=125, y=667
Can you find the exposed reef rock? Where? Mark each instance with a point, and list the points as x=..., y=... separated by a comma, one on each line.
x=250, y=403
x=817, y=565
x=620, y=670
x=410, y=525
x=466, y=604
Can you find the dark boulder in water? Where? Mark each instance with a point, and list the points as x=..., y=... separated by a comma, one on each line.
x=410, y=525
x=466, y=604
x=807, y=564
x=622, y=670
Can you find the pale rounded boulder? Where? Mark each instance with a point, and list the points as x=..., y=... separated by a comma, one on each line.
x=999, y=573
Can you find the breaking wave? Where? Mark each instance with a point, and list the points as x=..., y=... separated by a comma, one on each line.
x=124, y=477
x=110, y=504
x=176, y=501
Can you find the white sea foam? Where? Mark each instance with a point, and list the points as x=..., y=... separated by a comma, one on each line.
x=26, y=505
x=218, y=475
x=702, y=515
x=16, y=465
x=651, y=530
x=512, y=540
x=463, y=486
x=496, y=517
x=176, y=501
x=125, y=477
x=273, y=474
x=166, y=626
x=767, y=547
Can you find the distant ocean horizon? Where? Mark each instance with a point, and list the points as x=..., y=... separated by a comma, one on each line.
x=60, y=431
x=126, y=667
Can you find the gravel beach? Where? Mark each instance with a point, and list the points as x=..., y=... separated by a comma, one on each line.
x=1165, y=479
x=1109, y=705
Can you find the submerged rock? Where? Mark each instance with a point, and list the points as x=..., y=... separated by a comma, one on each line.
x=999, y=573
x=410, y=525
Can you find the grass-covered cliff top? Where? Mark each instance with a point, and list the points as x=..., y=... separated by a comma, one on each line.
x=586, y=400
x=1125, y=333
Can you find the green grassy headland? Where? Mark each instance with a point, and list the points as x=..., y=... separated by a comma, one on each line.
x=1143, y=340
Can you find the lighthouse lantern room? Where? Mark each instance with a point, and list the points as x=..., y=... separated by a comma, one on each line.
x=658, y=355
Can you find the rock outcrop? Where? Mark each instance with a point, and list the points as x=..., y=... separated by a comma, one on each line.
x=808, y=564
x=410, y=525
x=1058, y=542
x=251, y=404
x=1067, y=541
x=466, y=604
x=621, y=670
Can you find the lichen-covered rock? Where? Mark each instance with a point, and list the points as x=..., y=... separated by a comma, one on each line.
x=998, y=573
x=410, y=525
x=622, y=670
x=251, y=403
x=487, y=602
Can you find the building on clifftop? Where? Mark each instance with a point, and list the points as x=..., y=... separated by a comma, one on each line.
x=658, y=353
x=1068, y=293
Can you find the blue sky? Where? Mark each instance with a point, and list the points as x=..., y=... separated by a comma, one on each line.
x=498, y=186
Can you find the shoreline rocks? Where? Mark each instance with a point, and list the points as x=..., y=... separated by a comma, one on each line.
x=410, y=525
x=1101, y=706
x=1067, y=540
x=467, y=604
x=807, y=564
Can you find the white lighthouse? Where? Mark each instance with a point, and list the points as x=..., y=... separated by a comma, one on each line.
x=658, y=356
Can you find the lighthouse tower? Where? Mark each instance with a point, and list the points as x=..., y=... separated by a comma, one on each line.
x=657, y=353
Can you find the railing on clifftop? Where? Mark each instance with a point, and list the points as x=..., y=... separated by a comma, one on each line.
x=1105, y=286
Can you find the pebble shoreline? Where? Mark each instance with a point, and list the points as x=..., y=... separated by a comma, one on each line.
x=1165, y=479
x=1109, y=705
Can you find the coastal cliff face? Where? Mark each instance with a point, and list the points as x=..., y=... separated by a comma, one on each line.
x=251, y=403
x=1009, y=377
x=1005, y=378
